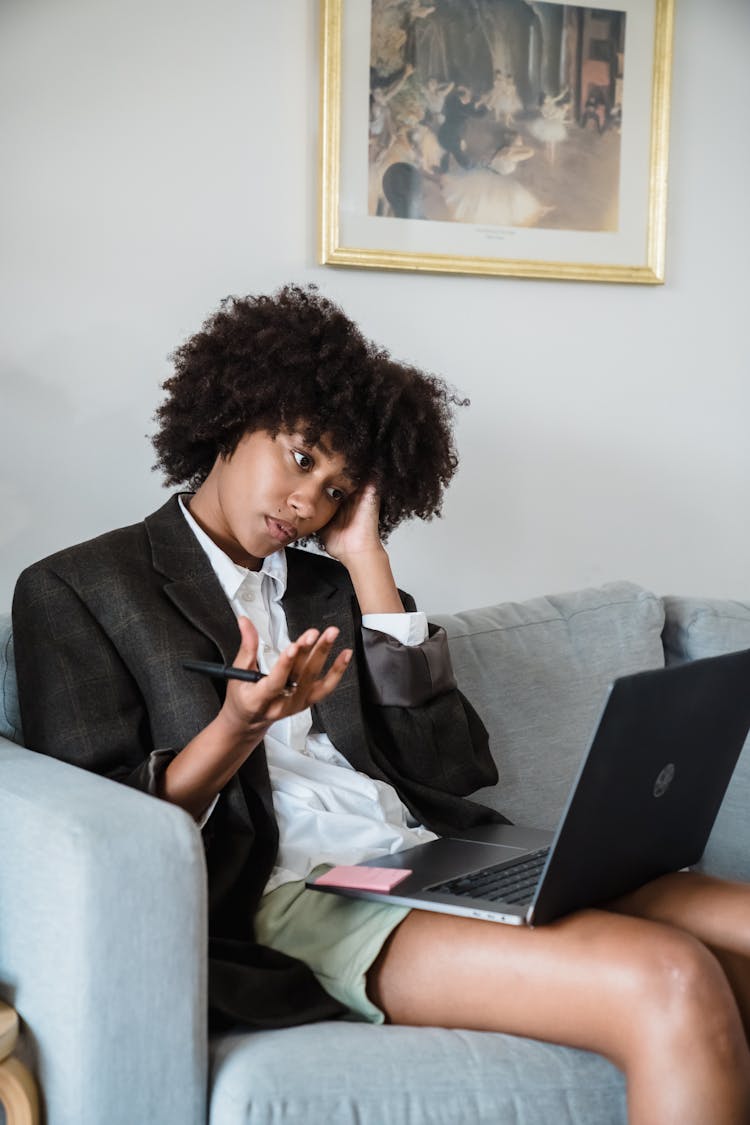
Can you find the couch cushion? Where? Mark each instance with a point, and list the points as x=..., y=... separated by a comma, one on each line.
x=537, y=673
x=358, y=1074
x=10, y=715
x=694, y=628
x=697, y=627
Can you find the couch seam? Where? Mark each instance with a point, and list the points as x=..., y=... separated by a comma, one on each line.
x=548, y=620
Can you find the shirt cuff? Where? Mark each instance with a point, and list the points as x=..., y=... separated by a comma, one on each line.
x=203, y=820
x=408, y=628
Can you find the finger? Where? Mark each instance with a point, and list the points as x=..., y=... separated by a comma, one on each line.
x=312, y=641
x=323, y=685
x=365, y=497
x=369, y=503
x=310, y=663
x=247, y=653
x=296, y=698
x=282, y=673
x=298, y=667
x=298, y=695
x=303, y=647
x=326, y=684
x=284, y=677
x=308, y=639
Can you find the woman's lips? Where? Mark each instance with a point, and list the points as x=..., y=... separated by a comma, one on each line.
x=280, y=531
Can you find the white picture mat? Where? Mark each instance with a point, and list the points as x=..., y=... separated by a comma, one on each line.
x=625, y=247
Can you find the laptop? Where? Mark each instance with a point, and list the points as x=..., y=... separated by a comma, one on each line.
x=643, y=804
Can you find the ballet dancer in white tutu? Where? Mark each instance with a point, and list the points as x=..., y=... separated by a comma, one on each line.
x=503, y=99
x=550, y=127
x=490, y=195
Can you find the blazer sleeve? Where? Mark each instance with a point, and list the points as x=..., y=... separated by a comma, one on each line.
x=79, y=702
x=428, y=730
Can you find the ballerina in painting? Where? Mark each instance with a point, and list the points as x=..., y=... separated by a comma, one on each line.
x=550, y=127
x=382, y=127
x=503, y=99
x=428, y=147
x=491, y=195
x=434, y=95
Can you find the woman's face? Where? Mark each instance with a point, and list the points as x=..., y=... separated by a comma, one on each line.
x=268, y=493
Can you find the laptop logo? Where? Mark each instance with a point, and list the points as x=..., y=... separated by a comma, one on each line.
x=664, y=780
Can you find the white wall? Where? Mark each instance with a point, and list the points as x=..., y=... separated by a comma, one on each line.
x=160, y=154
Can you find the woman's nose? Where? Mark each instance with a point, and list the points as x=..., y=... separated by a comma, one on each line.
x=303, y=501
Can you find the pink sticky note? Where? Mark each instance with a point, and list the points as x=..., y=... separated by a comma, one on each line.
x=363, y=878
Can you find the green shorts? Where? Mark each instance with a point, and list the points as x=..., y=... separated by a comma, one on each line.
x=338, y=938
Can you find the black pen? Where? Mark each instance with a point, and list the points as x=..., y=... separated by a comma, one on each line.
x=223, y=671
x=229, y=672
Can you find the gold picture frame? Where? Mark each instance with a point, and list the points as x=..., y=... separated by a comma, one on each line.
x=601, y=212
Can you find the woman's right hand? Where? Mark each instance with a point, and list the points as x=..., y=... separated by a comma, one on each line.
x=294, y=683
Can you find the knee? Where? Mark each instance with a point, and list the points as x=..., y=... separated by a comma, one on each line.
x=682, y=991
x=681, y=969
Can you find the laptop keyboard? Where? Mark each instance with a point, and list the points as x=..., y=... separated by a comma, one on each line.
x=501, y=882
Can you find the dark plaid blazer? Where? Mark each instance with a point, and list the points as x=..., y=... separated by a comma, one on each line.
x=101, y=630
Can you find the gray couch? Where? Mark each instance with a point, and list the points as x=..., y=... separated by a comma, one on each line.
x=103, y=907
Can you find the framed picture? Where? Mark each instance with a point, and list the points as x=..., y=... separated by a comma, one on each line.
x=518, y=137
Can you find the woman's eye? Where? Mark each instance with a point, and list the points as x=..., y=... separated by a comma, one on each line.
x=304, y=460
x=336, y=494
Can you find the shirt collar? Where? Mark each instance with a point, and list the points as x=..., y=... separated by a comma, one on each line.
x=230, y=574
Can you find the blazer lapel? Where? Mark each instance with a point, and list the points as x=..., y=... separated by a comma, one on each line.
x=192, y=585
x=196, y=592
x=313, y=600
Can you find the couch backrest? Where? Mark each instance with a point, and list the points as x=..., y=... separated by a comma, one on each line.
x=537, y=672
x=10, y=716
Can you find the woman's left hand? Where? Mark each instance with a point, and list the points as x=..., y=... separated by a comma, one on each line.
x=353, y=531
x=353, y=538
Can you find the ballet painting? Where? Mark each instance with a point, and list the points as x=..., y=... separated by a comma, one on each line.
x=516, y=136
x=496, y=112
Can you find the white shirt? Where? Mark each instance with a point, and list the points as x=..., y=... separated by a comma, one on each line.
x=327, y=811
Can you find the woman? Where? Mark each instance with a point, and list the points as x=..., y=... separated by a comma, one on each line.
x=284, y=423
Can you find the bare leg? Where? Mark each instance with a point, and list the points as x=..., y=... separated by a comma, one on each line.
x=715, y=911
x=649, y=997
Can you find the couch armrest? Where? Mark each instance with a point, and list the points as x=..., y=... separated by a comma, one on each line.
x=103, y=944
